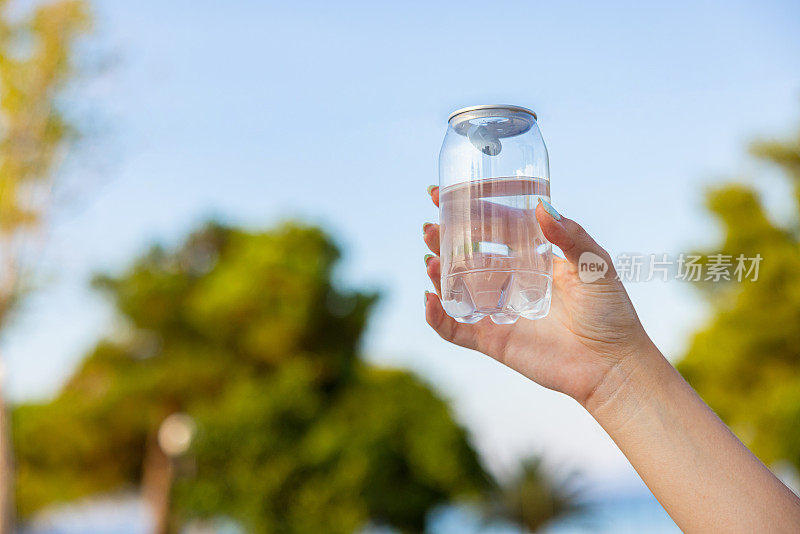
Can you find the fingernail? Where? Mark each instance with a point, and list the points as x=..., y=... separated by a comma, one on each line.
x=426, y=300
x=550, y=209
x=425, y=227
x=427, y=258
x=431, y=188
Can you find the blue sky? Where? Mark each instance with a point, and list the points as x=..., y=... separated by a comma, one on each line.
x=334, y=113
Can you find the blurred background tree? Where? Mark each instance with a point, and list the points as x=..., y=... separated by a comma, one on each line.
x=746, y=362
x=247, y=334
x=532, y=498
x=36, y=51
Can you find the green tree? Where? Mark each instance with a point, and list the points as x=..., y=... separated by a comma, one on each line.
x=246, y=333
x=36, y=54
x=746, y=361
x=532, y=499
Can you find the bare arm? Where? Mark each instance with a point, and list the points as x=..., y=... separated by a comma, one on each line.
x=705, y=478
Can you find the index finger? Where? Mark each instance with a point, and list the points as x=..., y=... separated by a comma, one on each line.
x=434, y=192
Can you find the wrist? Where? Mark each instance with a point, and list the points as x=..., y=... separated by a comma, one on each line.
x=627, y=385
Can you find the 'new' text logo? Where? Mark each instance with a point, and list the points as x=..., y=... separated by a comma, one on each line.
x=591, y=267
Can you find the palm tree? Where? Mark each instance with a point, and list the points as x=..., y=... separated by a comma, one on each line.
x=534, y=498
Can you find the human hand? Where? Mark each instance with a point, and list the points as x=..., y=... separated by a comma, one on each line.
x=591, y=329
x=592, y=347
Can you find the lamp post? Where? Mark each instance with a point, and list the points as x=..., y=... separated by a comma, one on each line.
x=172, y=441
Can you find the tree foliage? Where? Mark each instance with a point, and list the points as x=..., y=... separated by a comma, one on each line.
x=246, y=332
x=36, y=54
x=746, y=361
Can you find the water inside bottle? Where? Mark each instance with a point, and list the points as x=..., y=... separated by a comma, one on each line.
x=495, y=259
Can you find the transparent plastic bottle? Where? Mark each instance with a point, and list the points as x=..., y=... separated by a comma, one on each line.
x=493, y=168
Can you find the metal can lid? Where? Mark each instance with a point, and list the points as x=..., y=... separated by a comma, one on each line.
x=517, y=120
x=508, y=107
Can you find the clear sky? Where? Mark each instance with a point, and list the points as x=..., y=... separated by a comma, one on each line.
x=333, y=112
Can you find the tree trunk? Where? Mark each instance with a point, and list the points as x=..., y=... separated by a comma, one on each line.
x=157, y=476
x=6, y=467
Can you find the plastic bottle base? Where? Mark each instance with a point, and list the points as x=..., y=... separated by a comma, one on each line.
x=531, y=304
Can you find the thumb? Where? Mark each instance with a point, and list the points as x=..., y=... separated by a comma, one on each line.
x=567, y=235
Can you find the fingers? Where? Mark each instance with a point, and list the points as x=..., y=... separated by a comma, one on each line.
x=447, y=327
x=433, y=191
x=567, y=235
x=444, y=325
x=434, y=268
x=430, y=233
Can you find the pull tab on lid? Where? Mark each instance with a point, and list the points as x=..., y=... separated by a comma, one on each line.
x=484, y=139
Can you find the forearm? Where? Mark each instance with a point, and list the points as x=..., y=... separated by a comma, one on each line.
x=705, y=478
